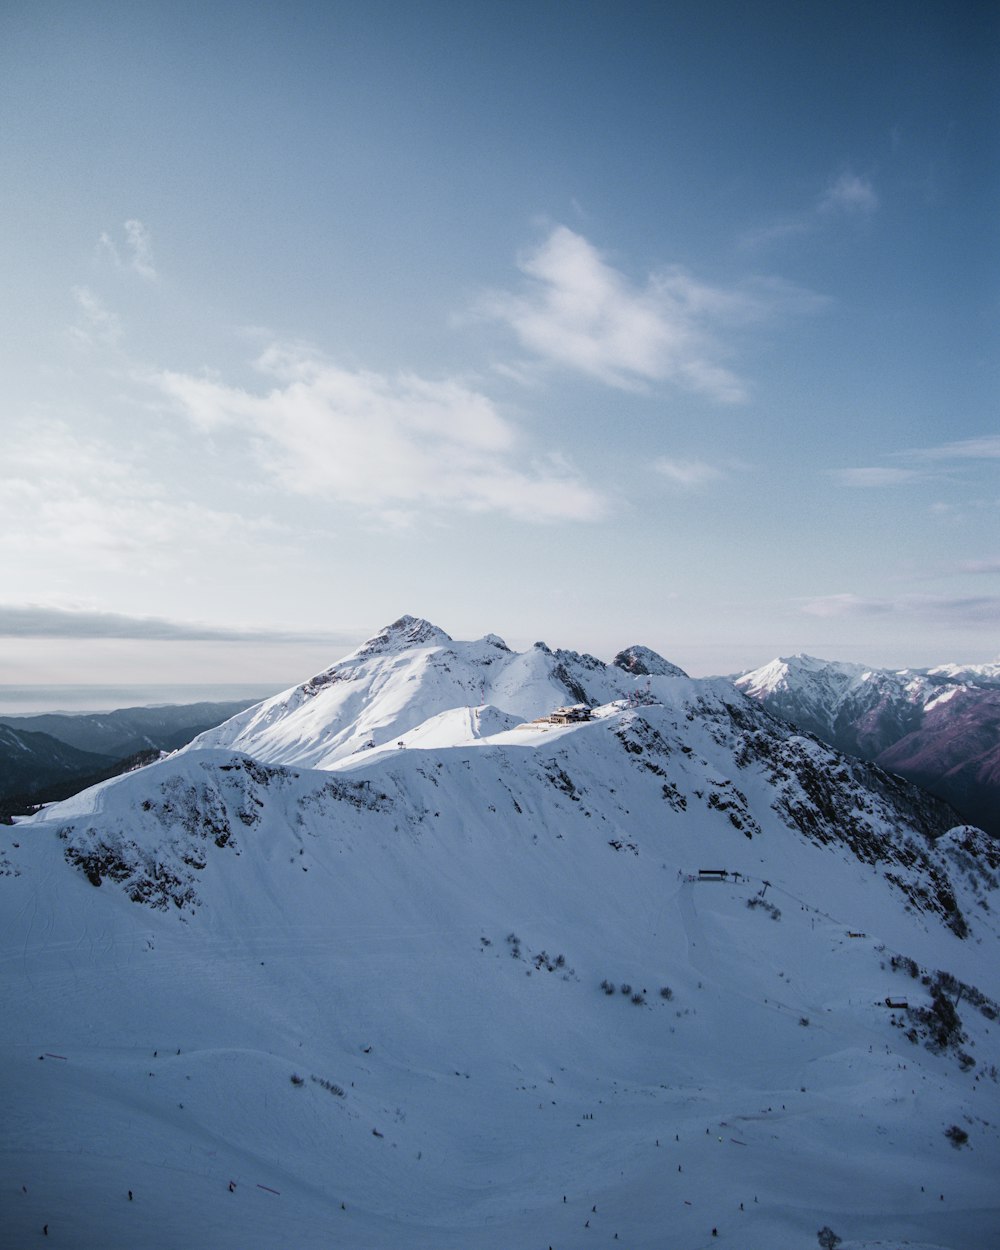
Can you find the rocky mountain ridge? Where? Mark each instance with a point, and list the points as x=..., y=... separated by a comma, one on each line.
x=938, y=727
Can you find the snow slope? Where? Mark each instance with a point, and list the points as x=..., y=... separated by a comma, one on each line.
x=370, y=996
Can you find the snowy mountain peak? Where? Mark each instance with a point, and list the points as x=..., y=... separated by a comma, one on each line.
x=494, y=640
x=412, y=673
x=937, y=727
x=972, y=674
x=791, y=670
x=643, y=662
x=408, y=631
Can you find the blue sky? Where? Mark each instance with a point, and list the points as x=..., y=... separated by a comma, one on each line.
x=661, y=323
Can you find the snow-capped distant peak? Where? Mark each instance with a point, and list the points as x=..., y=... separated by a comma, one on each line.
x=401, y=635
x=792, y=671
x=644, y=662
x=973, y=674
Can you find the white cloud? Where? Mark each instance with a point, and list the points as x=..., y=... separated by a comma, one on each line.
x=968, y=609
x=33, y=620
x=849, y=194
x=986, y=447
x=138, y=247
x=96, y=323
x=579, y=312
x=384, y=444
x=923, y=464
x=876, y=477
x=106, y=247
x=844, y=605
x=687, y=473
x=91, y=506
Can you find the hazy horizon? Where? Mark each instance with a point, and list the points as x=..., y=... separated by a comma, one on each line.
x=80, y=698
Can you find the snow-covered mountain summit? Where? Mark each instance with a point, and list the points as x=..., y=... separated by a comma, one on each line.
x=792, y=672
x=969, y=674
x=402, y=959
x=411, y=673
x=406, y=632
x=837, y=701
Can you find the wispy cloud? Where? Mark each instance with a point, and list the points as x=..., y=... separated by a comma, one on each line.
x=846, y=196
x=922, y=464
x=690, y=474
x=40, y=621
x=74, y=497
x=577, y=311
x=138, y=250
x=985, y=567
x=95, y=322
x=986, y=447
x=845, y=605
x=385, y=444
x=967, y=609
x=980, y=566
x=871, y=478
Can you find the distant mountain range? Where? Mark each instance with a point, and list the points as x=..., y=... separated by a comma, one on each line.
x=452, y=945
x=50, y=756
x=938, y=727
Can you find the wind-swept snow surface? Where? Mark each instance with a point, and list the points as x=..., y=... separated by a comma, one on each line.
x=477, y=989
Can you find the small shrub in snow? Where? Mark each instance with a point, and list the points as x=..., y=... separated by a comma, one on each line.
x=298, y=1080
x=638, y=998
x=957, y=1136
x=804, y=1021
x=666, y=992
x=757, y=901
x=607, y=987
x=626, y=988
x=827, y=1238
